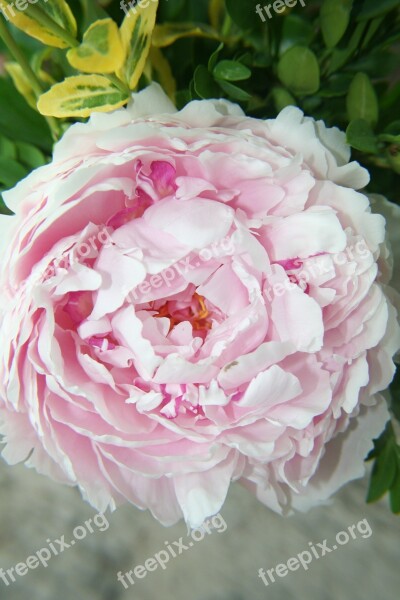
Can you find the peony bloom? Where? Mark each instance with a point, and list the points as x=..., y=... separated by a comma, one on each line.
x=192, y=298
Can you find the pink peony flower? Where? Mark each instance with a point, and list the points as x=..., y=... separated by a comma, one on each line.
x=192, y=298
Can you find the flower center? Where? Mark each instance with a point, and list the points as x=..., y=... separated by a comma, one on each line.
x=196, y=313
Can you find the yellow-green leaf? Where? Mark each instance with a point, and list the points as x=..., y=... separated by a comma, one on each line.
x=101, y=50
x=335, y=18
x=298, y=70
x=136, y=31
x=164, y=72
x=216, y=10
x=57, y=10
x=21, y=82
x=167, y=33
x=81, y=95
x=362, y=101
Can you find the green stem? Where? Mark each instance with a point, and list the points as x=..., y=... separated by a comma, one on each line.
x=20, y=57
x=378, y=161
x=41, y=17
x=118, y=83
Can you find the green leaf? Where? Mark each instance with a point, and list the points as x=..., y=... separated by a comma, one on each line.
x=372, y=8
x=383, y=472
x=11, y=172
x=7, y=148
x=101, y=50
x=337, y=86
x=335, y=17
x=395, y=490
x=393, y=128
x=373, y=28
x=395, y=391
x=171, y=11
x=212, y=61
x=282, y=98
x=386, y=437
x=183, y=97
x=19, y=122
x=361, y=136
x=204, y=84
x=81, y=95
x=243, y=13
x=231, y=70
x=234, y=92
x=4, y=210
x=362, y=101
x=30, y=156
x=91, y=12
x=341, y=56
x=391, y=133
x=298, y=70
x=390, y=101
x=296, y=31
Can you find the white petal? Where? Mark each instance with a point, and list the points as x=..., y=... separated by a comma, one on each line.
x=201, y=495
x=176, y=369
x=150, y=101
x=127, y=329
x=190, y=221
x=245, y=367
x=273, y=386
x=120, y=275
x=344, y=456
x=305, y=234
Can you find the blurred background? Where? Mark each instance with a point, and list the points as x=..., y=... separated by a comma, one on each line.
x=223, y=566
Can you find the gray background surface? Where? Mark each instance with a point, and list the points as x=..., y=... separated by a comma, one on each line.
x=223, y=566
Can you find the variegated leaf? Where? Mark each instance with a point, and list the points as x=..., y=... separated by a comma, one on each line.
x=136, y=32
x=57, y=10
x=101, y=50
x=81, y=95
